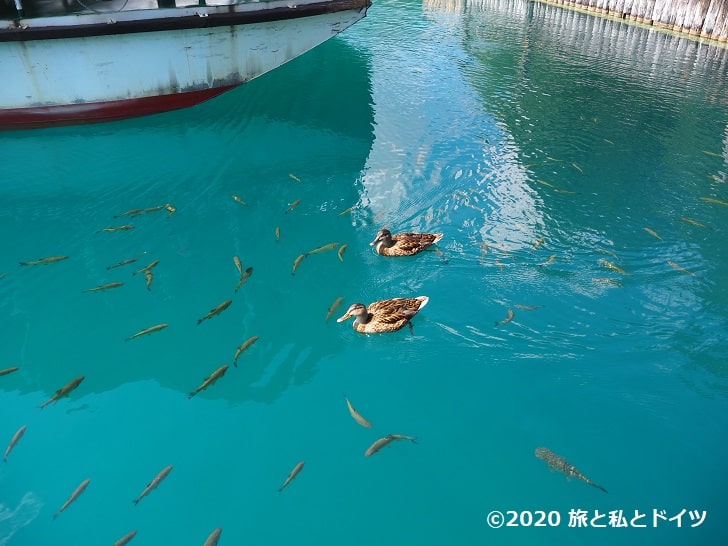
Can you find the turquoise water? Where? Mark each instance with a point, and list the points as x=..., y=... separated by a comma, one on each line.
x=519, y=131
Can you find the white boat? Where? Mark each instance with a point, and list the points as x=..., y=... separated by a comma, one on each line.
x=71, y=62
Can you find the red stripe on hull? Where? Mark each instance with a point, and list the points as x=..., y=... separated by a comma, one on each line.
x=95, y=112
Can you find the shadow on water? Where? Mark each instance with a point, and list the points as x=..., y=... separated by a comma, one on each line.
x=265, y=142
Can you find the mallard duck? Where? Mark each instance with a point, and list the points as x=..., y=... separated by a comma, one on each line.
x=385, y=315
x=403, y=244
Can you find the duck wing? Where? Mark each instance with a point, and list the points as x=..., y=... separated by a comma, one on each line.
x=394, y=310
x=414, y=242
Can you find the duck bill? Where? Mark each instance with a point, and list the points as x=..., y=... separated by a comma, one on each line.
x=343, y=318
x=375, y=241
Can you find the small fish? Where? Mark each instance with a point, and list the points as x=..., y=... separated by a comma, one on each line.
x=357, y=416
x=244, y=277
x=297, y=262
x=127, y=227
x=680, y=268
x=341, y=252
x=713, y=154
x=333, y=307
x=292, y=475
x=559, y=190
x=293, y=206
x=137, y=212
x=653, y=233
x=45, y=261
x=16, y=438
x=538, y=243
x=150, y=277
x=147, y=267
x=323, y=248
x=214, y=537
x=509, y=317
x=693, y=222
x=219, y=309
x=608, y=141
x=149, y=330
x=80, y=489
x=154, y=483
x=103, y=287
x=242, y=348
x=217, y=374
x=527, y=307
x=63, y=391
x=237, y=199
x=544, y=183
x=557, y=462
x=714, y=201
x=295, y=177
x=613, y=267
x=607, y=280
x=551, y=260
x=122, y=263
x=577, y=168
x=346, y=211
x=605, y=251
x=238, y=264
x=383, y=442
x=278, y=233
x=6, y=371
x=123, y=541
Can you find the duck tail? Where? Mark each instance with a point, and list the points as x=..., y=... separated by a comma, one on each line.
x=423, y=301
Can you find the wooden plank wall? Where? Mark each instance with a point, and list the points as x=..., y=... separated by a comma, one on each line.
x=704, y=18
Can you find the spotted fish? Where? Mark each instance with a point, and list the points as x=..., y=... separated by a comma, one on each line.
x=557, y=462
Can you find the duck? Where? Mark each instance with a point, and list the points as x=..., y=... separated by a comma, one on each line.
x=382, y=316
x=403, y=244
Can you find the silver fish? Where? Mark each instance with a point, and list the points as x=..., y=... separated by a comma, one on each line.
x=154, y=483
x=383, y=442
x=214, y=537
x=15, y=439
x=126, y=539
x=292, y=475
x=242, y=347
x=63, y=391
x=217, y=310
x=149, y=330
x=217, y=374
x=80, y=489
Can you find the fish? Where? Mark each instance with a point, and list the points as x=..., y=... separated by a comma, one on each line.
x=356, y=415
x=149, y=330
x=217, y=374
x=103, y=287
x=577, y=168
x=278, y=233
x=150, y=277
x=713, y=154
x=341, y=252
x=323, y=248
x=559, y=190
x=383, y=442
x=242, y=348
x=293, y=474
x=714, y=201
x=126, y=227
x=122, y=263
x=45, y=261
x=346, y=211
x=293, y=206
x=680, y=268
x=551, y=260
x=146, y=268
x=170, y=208
x=295, y=177
x=63, y=391
x=652, y=232
x=15, y=439
x=244, y=277
x=613, y=267
x=607, y=280
x=214, y=537
x=80, y=489
x=509, y=317
x=136, y=212
x=3, y=275
x=6, y=371
x=527, y=307
x=605, y=251
x=237, y=199
x=217, y=310
x=608, y=141
x=154, y=483
x=123, y=541
x=544, y=183
x=538, y=243
x=693, y=221
x=238, y=264
x=333, y=307
x=297, y=262
x=557, y=462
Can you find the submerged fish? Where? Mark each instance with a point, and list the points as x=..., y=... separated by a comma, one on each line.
x=63, y=391
x=80, y=489
x=607, y=280
x=527, y=307
x=242, y=348
x=551, y=260
x=217, y=374
x=238, y=200
x=154, y=483
x=137, y=212
x=244, y=277
x=357, y=416
x=45, y=261
x=294, y=177
x=346, y=211
x=126, y=539
x=214, y=537
x=293, y=474
x=323, y=248
x=297, y=262
x=333, y=307
x=151, y=329
x=6, y=371
x=103, y=287
x=170, y=208
x=383, y=442
x=577, y=168
x=293, y=206
x=238, y=264
x=150, y=277
x=278, y=233
x=652, y=232
x=693, y=221
x=122, y=263
x=341, y=252
x=509, y=317
x=217, y=310
x=148, y=267
x=556, y=462
x=15, y=439
x=126, y=227
x=714, y=201
x=538, y=243
x=713, y=154
x=680, y=268
x=613, y=267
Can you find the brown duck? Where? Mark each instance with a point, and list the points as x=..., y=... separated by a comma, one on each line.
x=385, y=315
x=403, y=244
